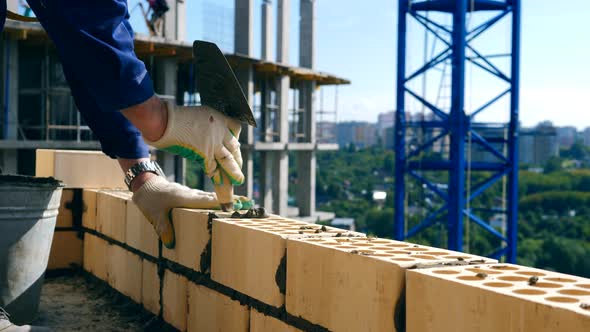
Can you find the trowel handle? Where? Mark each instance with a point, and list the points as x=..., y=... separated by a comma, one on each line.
x=225, y=193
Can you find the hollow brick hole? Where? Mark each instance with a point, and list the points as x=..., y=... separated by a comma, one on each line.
x=562, y=299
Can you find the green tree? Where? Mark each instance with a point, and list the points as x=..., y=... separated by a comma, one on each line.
x=553, y=165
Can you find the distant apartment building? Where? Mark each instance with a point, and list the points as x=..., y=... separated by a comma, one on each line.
x=566, y=136
x=361, y=134
x=586, y=136
x=539, y=144
x=384, y=121
x=495, y=136
x=326, y=132
x=388, y=139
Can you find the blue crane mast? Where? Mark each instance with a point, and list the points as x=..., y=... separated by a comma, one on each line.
x=452, y=124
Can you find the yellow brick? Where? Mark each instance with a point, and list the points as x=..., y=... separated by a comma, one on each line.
x=140, y=234
x=496, y=298
x=262, y=323
x=111, y=213
x=80, y=169
x=246, y=253
x=192, y=235
x=354, y=284
x=96, y=251
x=64, y=215
x=212, y=311
x=66, y=249
x=125, y=272
x=175, y=299
x=150, y=285
x=89, y=215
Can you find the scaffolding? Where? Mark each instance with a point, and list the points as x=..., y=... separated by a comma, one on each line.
x=46, y=109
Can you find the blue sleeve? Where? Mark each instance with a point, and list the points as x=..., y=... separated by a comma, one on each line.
x=94, y=41
x=94, y=38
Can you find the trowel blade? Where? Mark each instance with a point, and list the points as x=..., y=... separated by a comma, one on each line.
x=217, y=84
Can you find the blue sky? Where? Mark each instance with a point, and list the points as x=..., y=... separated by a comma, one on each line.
x=357, y=40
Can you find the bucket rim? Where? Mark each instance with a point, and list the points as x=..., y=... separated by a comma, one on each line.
x=29, y=181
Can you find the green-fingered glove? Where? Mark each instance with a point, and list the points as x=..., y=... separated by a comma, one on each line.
x=204, y=135
x=158, y=196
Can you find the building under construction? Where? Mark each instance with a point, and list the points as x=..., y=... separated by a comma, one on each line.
x=38, y=110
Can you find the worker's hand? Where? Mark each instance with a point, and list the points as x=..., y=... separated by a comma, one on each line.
x=157, y=197
x=204, y=135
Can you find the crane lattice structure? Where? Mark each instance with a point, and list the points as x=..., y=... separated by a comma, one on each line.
x=455, y=125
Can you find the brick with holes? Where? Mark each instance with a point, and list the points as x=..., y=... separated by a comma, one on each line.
x=497, y=297
x=357, y=284
x=248, y=254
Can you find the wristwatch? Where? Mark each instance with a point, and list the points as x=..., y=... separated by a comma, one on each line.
x=140, y=167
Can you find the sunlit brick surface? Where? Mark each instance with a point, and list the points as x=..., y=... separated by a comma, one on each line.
x=246, y=253
x=356, y=284
x=497, y=297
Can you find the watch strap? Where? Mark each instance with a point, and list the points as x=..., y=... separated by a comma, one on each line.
x=140, y=167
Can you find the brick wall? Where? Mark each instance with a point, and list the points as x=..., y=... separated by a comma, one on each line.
x=278, y=274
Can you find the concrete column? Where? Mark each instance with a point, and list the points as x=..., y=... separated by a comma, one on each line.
x=12, y=5
x=9, y=109
x=267, y=177
x=174, y=20
x=165, y=76
x=283, y=31
x=10, y=84
x=306, y=182
x=244, y=41
x=281, y=158
x=306, y=160
x=266, y=157
x=169, y=29
x=307, y=10
x=246, y=78
x=181, y=20
x=266, y=39
x=244, y=26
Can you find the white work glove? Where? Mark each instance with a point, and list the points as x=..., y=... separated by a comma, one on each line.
x=158, y=196
x=204, y=135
